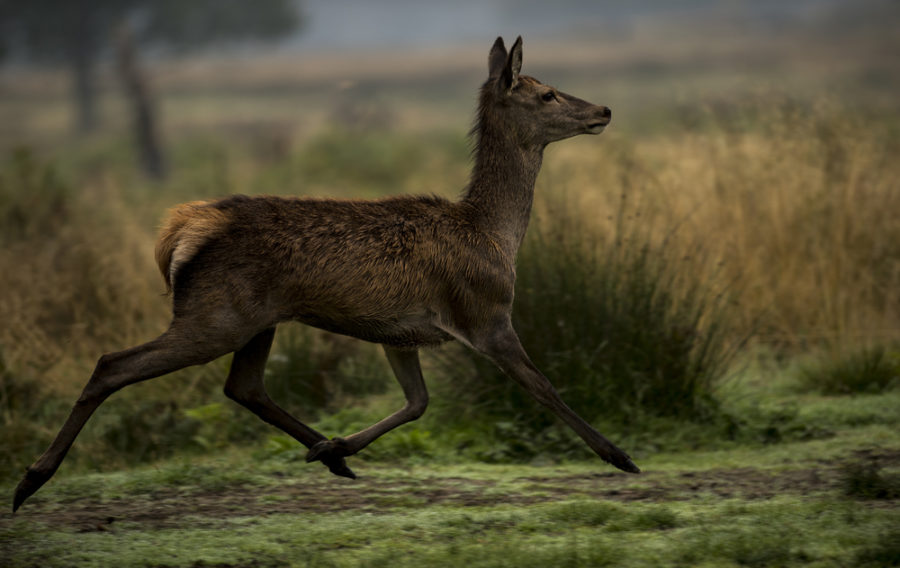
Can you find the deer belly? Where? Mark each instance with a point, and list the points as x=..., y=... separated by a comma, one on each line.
x=406, y=330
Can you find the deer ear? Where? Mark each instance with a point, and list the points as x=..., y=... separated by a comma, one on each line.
x=497, y=59
x=510, y=76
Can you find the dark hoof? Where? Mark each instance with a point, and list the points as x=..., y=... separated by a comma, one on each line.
x=628, y=466
x=331, y=453
x=623, y=462
x=32, y=481
x=339, y=467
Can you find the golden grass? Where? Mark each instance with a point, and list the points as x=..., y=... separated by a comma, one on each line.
x=74, y=294
x=799, y=215
x=792, y=202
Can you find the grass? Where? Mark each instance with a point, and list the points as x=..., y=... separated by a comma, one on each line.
x=647, y=295
x=614, y=319
x=873, y=369
x=769, y=505
x=693, y=236
x=865, y=480
x=795, y=500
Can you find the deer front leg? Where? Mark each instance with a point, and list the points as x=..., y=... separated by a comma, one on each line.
x=502, y=346
x=245, y=386
x=405, y=364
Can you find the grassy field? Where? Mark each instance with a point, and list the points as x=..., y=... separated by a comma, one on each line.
x=825, y=495
x=719, y=274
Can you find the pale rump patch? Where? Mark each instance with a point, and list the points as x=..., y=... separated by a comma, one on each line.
x=188, y=227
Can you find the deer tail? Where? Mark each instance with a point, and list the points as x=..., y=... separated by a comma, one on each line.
x=186, y=229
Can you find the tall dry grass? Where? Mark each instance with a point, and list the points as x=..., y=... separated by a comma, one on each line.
x=790, y=207
x=796, y=205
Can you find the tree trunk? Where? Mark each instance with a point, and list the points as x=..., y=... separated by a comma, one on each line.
x=144, y=116
x=83, y=77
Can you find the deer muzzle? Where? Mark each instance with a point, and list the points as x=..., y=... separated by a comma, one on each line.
x=599, y=120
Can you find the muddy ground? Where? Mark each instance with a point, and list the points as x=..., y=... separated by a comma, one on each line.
x=173, y=506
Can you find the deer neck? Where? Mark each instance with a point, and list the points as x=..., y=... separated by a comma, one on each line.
x=501, y=190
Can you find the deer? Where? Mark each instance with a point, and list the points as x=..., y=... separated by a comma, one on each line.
x=406, y=272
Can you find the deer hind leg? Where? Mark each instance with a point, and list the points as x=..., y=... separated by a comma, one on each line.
x=175, y=349
x=245, y=386
x=405, y=364
x=502, y=346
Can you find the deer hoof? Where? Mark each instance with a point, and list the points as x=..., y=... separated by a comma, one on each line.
x=629, y=466
x=623, y=462
x=339, y=467
x=32, y=481
x=331, y=453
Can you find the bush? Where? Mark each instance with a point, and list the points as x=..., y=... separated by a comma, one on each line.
x=622, y=325
x=23, y=406
x=886, y=552
x=310, y=371
x=868, y=370
x=34, y=202
x=371, y=163
x=865, y=480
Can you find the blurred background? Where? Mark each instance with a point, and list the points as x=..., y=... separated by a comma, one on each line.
x=740, y=212
x=288, y=65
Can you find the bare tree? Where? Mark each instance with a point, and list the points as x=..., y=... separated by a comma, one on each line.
x=79, y=32
x=143, y=109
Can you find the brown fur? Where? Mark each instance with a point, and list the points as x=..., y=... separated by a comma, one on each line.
x=376, y=270
x=404, y=271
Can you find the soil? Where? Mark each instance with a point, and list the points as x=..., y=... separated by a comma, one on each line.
x=172, y=507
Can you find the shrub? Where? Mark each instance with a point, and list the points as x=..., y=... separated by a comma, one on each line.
x=885, y=552
x=864, y=480
x=867, y=370
x=310, y=371
x=375, y=162
x=33, y=200
x=621, y=324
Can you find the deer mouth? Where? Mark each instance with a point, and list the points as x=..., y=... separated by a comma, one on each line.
x=597, y=127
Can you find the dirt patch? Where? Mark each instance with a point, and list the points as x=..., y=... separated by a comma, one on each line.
x=171, y=507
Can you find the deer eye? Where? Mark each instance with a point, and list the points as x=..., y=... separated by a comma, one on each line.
x=548, y=97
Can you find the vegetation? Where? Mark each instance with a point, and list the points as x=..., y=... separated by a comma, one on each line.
x=80, y=35
x=714, y=285
x=623, y=298
x=866, y=481
x=872, y=369
x=781, y=504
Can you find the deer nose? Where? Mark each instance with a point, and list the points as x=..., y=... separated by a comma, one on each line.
x=606, y=113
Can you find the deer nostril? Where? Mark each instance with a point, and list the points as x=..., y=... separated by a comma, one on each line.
x=606, y=112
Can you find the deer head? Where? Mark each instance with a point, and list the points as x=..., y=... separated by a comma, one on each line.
x=530, y=112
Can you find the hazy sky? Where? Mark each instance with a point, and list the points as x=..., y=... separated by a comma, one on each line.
x=355, y=24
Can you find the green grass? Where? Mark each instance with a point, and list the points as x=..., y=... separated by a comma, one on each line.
x=789, y=530
x=865, y=480
x=873, y=369
x=800, y=501
x=622, y=326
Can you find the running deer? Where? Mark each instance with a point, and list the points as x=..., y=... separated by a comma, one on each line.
x=406, y=272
